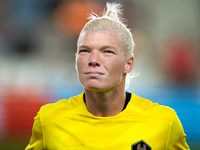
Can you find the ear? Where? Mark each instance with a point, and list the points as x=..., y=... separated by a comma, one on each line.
x=129, y=65
x=75, y=55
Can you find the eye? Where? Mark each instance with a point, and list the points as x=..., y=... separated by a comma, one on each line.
x=83, y=51
x=108, y=52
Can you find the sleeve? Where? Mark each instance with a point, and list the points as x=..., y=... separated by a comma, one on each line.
x=177, y=137
x=36, y=141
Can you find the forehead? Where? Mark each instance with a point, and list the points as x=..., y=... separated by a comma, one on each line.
x=100, y=37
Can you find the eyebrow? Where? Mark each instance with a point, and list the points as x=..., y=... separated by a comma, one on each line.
x=84, y=46
x=102, y=48
x=109, y=47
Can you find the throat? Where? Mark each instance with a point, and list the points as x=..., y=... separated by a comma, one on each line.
x=127, y=99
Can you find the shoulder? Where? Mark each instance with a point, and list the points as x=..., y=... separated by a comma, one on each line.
x=70, y=103
x=52, y=110
x=153, y=109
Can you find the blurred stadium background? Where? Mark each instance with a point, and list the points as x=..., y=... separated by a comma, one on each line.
x=38, y=43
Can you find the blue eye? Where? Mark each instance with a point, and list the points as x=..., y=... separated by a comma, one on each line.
x=84, y=51
x=108, y=52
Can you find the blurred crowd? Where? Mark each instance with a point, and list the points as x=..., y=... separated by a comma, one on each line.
x=38, y=39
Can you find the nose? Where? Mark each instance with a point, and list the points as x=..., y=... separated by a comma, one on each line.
x=94, y=59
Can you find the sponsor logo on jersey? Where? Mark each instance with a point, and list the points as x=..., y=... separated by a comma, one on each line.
x=141, y=145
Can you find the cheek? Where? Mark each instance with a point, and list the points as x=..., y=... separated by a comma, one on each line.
x=117, y=68
x=81, y=64
x=78, y=64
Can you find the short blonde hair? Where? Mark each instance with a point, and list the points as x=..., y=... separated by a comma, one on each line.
x=111, y=20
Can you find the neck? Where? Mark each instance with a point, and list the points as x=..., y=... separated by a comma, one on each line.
x=105, y=103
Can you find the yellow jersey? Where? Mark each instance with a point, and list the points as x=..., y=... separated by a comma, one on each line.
x=142, y=125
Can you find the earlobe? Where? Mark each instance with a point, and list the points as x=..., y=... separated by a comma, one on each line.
x=129, y=65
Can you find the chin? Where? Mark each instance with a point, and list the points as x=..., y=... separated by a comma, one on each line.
x=93, y=88
x=99, y=89
x=92, y=85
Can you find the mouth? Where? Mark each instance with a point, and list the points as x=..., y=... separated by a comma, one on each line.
x=94, y=74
